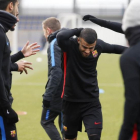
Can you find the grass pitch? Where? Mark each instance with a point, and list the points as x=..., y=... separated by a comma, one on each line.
x=28, y=89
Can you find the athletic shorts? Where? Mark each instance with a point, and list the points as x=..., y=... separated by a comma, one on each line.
x=7, y=131
x=76, y=112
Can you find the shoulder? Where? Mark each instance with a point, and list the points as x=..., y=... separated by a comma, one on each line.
x=100, y=42
x=2, y=38
x=129, y=56
x=53, y=46
x=2, y=34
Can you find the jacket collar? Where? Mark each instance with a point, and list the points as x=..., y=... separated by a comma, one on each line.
x=7, y=20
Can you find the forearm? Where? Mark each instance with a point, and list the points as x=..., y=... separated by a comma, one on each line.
x=17, y=56
x=117, y=49
x=111, y=48
x=115, y=26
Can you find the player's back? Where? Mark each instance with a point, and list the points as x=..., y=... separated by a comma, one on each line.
x=132, y=55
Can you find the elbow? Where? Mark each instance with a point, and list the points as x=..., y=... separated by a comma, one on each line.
x=60, y=37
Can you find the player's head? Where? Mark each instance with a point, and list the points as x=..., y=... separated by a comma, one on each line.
x=87, y=41
x=131, y=22
x=50, y=25
x=10, y=6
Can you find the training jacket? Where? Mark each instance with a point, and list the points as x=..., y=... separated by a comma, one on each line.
x=81, y=75
x=14, y=67
x=130, y=67
x=7, y=21
x=55, y=75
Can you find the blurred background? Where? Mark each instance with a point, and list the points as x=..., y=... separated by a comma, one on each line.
x=70, y=13
x=28, y=89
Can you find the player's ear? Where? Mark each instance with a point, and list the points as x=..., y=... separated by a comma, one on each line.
x=10, y=7
x=49, y=30
x=78, y=40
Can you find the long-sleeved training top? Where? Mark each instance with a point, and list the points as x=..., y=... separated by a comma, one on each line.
x=7, y=21
x=54, y=84
x=81, y=83
x=115, y=26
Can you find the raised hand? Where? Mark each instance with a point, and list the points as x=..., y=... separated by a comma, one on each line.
x=88, y=17
x=31, y=49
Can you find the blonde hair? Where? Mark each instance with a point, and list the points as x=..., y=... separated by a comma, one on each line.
x=52, y=23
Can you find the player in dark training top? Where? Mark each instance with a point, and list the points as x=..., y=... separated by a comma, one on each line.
x=81, y=92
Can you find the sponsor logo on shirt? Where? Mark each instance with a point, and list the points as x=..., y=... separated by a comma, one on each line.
x=95, y=53
x=13, y=133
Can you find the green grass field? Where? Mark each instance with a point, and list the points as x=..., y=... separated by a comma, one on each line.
x=28, y=89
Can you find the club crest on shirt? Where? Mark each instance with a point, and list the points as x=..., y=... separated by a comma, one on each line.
x=13, y=133
x=65, y=128
x=95, y=53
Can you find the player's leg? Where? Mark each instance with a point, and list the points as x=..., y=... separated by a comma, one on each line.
x=71, y=118
x=60, y=122
x=94, y=134
x=92, y=118
x=8, y=131
x=47, y=122
x=136, y=130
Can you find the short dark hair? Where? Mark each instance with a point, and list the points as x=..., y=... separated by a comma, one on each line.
x=89, y=35
x=4, y=3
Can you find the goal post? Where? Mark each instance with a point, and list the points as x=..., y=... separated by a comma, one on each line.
x=70, y=20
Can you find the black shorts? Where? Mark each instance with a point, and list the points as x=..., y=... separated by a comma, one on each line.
x=7, y=131
x=76, y=112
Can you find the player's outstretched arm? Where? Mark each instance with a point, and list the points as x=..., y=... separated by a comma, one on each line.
x=115, y=26
x=111, y=48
